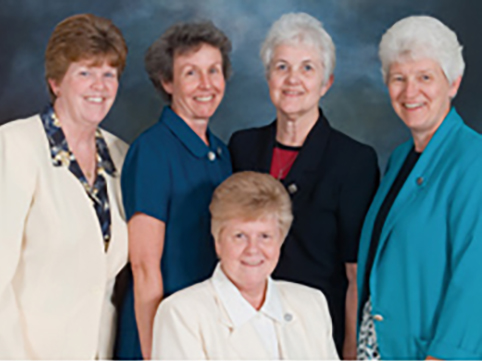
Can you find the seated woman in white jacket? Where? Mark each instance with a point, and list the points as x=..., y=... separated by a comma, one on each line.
x=240, y=312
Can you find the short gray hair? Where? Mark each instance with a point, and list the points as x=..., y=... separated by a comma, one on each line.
x=417, y=37
x=295, y=28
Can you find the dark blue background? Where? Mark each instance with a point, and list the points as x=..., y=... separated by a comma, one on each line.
x=357, y=103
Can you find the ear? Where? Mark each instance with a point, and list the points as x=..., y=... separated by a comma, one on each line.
x=217, y=246
x=454, y=88
x=167, y=85
x=327, y=85
x=54, y=86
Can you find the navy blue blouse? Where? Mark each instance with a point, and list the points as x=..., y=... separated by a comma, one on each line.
x=170, y=174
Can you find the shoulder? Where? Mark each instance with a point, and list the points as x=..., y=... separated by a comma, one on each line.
x=252, y=134
x=461, y=159
x=154, y=134
x=27, y=127
x=467, y=141
x=150, y=147
x=350, y=148
x=299, y=294
x=307, y=303
x=192, y=300
x=26, y=134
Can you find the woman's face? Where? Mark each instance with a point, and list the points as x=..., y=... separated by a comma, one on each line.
x=198, y=83
x=249, y=251
x=86, y=92
x=295, y=79
x=420, y=94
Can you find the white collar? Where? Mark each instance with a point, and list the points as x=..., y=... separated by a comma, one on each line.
x=239, y=310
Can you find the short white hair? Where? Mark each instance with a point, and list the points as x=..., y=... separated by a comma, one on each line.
x=296, y=28
x=417, y=37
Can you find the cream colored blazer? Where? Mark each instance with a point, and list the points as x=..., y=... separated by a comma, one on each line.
x=193, y=324
x=56, y=281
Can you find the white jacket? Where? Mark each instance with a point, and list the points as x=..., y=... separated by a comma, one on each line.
x=192, y=324
x=56, y=281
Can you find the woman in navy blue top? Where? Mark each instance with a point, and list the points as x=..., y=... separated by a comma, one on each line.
x=169, y=176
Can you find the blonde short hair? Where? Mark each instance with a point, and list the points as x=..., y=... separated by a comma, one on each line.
x=250, y=196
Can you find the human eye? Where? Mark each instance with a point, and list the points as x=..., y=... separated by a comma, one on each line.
x=281, y=66
x=266, y=237
x=189, y=72
x=110, y=74
x=214, y=70
x=308, y=67
x=84, y=72
x=396, y=78
x=425, y=77
x=239, y=236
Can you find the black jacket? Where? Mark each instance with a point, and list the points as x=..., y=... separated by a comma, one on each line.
x=331, y=184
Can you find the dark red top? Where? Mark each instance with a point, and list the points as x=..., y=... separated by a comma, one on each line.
x=283, y=158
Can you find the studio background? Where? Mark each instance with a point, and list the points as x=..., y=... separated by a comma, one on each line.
x=357, y=104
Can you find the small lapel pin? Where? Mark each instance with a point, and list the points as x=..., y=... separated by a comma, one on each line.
x=288, y=317
x=292, y=188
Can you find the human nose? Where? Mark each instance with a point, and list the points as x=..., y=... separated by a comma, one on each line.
x=205, y=80
x=411, y=88
x=99, y=82
x=252, y=245
x=293, y=76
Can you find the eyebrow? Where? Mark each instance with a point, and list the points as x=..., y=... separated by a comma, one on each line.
x=309, y=60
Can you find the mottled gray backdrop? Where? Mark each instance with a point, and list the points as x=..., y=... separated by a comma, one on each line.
x=357, y=103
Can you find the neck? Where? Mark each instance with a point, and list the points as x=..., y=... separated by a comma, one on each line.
x=422, y=138
x=293, y=130
x=77, y=134
x=200, y=127
x=81, y=140
x=255, y=297
x=421, y=141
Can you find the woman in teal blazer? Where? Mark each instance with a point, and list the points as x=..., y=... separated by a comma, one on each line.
x=420, y=273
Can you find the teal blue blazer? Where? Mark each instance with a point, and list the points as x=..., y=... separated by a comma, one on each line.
x=426, y=280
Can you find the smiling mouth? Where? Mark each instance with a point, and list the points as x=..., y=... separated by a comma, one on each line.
x=96, y=100
x=292, y=93
x=412, y=105
x=204, y=99
x=252, y=263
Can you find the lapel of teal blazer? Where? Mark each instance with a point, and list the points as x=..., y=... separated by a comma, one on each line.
x=422, y=172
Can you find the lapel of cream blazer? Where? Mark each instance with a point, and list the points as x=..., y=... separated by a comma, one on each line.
x=244, y=340
x=292, y=336
x=247, y=344
x=116, y=256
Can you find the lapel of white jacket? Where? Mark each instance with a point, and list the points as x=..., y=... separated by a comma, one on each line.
x=244, y=340
x=292, y=336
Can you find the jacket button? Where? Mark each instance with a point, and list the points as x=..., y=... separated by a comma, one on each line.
x=288, y=317
x=378, y=317
x=211, y=156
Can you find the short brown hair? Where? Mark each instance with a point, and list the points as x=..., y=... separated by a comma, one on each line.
x=83, y=37
x=182, y=38
x=250, y=196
